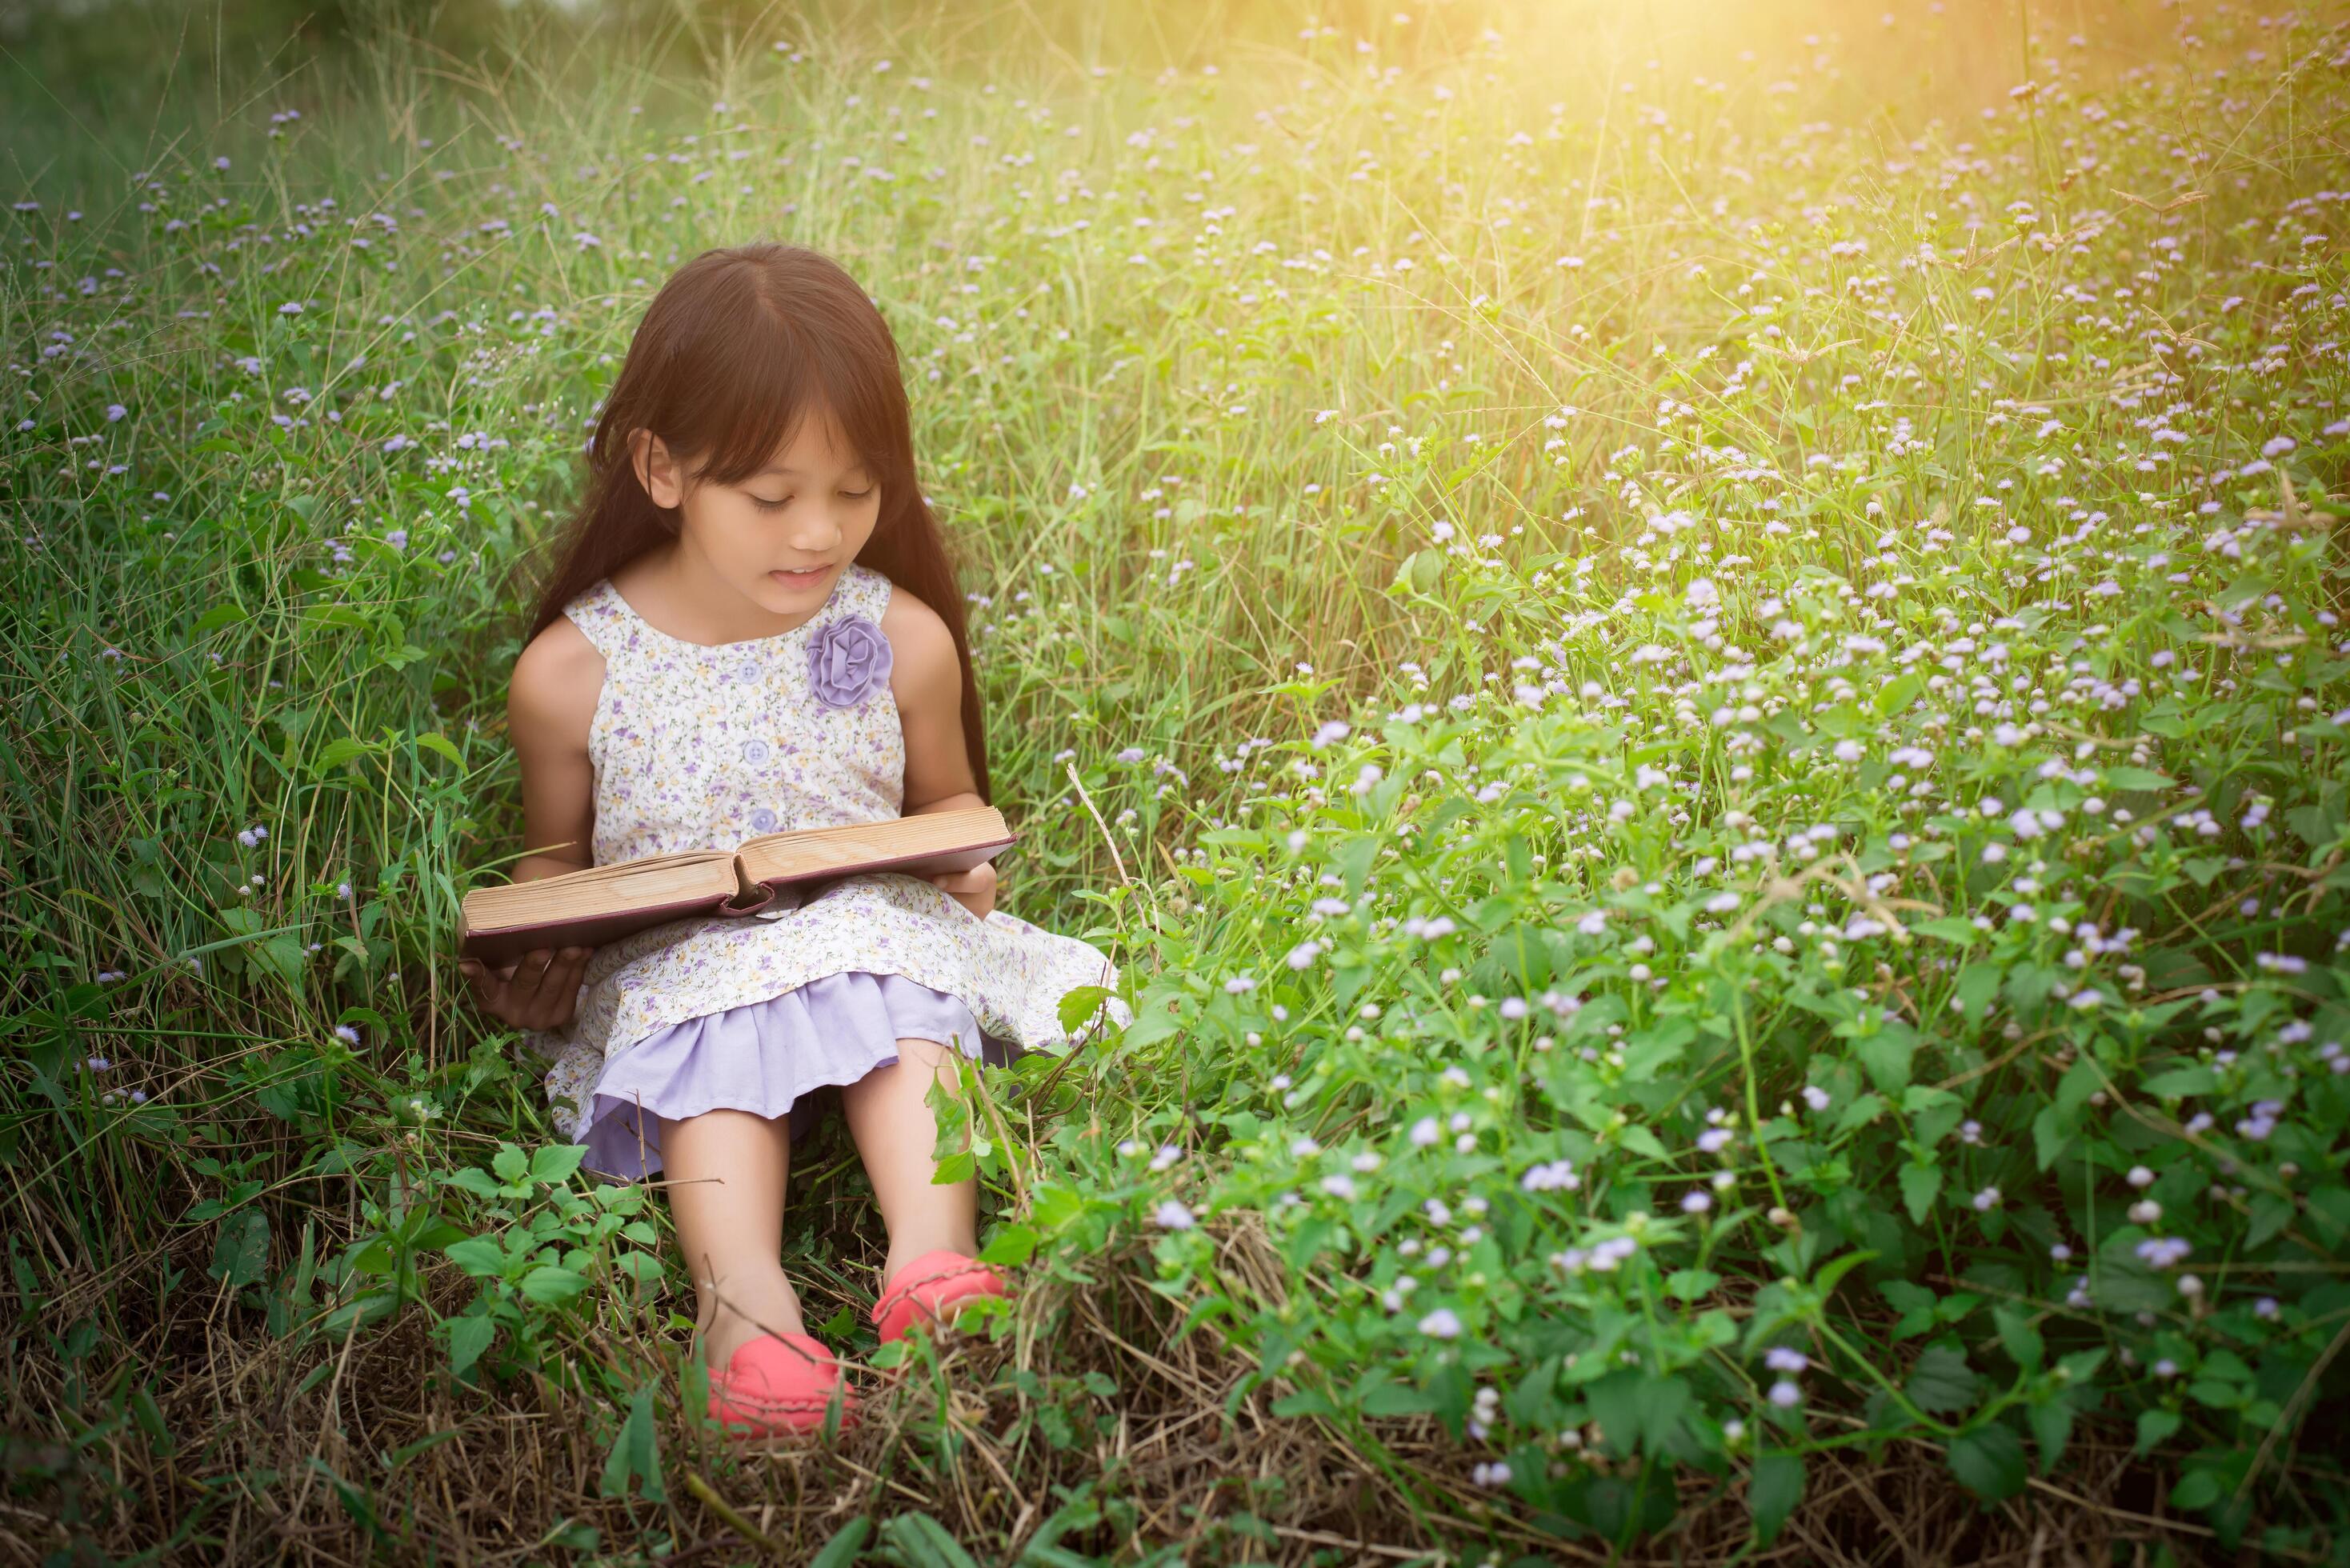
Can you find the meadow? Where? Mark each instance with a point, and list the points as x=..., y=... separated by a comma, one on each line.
x=1692, y=661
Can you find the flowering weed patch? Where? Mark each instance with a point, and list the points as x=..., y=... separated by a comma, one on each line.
x=1708, y=714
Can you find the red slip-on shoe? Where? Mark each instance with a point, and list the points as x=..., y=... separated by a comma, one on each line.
x=780, y=1383
x=929, y=1288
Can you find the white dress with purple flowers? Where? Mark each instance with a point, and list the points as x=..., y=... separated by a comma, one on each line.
x=699, y=747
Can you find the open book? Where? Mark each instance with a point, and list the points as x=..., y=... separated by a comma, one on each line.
x=605, y=903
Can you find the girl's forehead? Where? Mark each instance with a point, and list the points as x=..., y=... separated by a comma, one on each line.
x=818, y=443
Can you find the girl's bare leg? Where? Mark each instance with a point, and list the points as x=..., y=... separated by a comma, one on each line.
x=725, y=1172
x=895, y=1132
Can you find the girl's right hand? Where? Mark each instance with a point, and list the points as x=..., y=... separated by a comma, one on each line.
x=538, y=991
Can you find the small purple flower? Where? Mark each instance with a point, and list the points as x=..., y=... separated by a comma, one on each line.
x=849, y=660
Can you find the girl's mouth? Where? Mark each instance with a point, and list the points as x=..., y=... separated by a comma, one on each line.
x=799, y=579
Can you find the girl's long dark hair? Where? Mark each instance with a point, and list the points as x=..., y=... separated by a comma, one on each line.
x=735, y=351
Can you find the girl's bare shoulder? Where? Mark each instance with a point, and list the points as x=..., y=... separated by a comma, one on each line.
x=552, y=697
x=922, y=648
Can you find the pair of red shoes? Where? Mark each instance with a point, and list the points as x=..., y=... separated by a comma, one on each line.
x=781, y=1383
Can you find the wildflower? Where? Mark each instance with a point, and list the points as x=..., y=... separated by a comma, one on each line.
x=1238, y=984
x=1302, y=955
x=1782, y=1358
x=1338, y=1185
x=1553, y=1176
x=1168, y=1155
x=115, y=413
x=1171, y=1215
x=1441, y=1323
x=1987, y=1199
x=347, y=1034
x=1331, y=729
x=1425, y=1132
x=1815, y=1097
x=1785, y=1394
x=1696, y=1201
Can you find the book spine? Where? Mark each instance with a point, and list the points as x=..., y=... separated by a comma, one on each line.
x=750, y=897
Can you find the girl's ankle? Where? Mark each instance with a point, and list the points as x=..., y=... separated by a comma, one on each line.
x=734, y=1327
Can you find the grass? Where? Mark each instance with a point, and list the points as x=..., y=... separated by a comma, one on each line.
x=1703, y=697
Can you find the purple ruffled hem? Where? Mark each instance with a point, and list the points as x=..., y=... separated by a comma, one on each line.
x=769, y=1058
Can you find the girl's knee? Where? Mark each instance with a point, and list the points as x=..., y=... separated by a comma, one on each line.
x=923, y=1053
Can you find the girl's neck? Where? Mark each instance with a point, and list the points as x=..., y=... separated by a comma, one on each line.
x=677, y=590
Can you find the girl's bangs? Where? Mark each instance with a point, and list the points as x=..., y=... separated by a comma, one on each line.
x=771, y=381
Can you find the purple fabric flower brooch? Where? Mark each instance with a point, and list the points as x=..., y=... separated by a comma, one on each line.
x=849, y=660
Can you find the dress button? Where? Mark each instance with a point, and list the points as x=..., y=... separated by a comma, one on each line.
x=755, y=752
x=762, y=821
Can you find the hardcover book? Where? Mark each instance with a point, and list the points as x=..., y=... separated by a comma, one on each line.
x=604, y=903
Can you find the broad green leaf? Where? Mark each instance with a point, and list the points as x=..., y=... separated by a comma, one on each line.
x=1773, y=1492
x=555, y=1162
x=550, y=1284
x=1988, y=1461
x=1941, y=1382
x=1920, y=1184
x=468, y=1338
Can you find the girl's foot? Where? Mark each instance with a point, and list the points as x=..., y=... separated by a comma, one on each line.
x=779, y=1384
x=747, y=1310
x=929, y=1289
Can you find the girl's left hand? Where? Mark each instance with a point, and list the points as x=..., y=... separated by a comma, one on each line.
x=974, y=889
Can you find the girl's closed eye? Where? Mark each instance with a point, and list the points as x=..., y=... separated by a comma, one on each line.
x=764, y=505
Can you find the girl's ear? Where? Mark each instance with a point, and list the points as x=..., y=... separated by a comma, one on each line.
x=656, y=470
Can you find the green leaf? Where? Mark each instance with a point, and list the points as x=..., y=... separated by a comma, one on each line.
x=1773, y=1492
x=1886, y=1054
x=510, y=1164
x=480, y=1256
x=1941, y=1381
x=924, y=1542
x=636, y=1452
x=219, y=616
x=1304, y=1402
x=2197, y=1489
x=335, y=753
x=2020, y=1340
x=1078, y=1006
x=2180, y=1082
x=468, y=1338
x=551, y=1284
x=1920, y=1184
x=1012, y=1246
x=1899, y=692
x=241, y=1255
x=1635, y=1407
x=1988, y=1461
x=554, y=1163
x=1398, y=1399
x=2051, y=1428
x=847, y=1542
x=434, y=740
x=2155, y=1427
x=2135, y=778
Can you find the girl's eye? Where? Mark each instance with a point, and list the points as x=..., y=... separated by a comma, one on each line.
x=859, y=495
x=764, y=505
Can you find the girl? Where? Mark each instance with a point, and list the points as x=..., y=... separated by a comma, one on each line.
x=751, y=625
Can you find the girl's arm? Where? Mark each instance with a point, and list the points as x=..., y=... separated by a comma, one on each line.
x=926, y=679
x=549, y=706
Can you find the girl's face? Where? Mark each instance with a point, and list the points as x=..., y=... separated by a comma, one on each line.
x=782, y=536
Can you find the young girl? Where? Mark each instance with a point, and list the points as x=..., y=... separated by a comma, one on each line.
x=753, y=627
